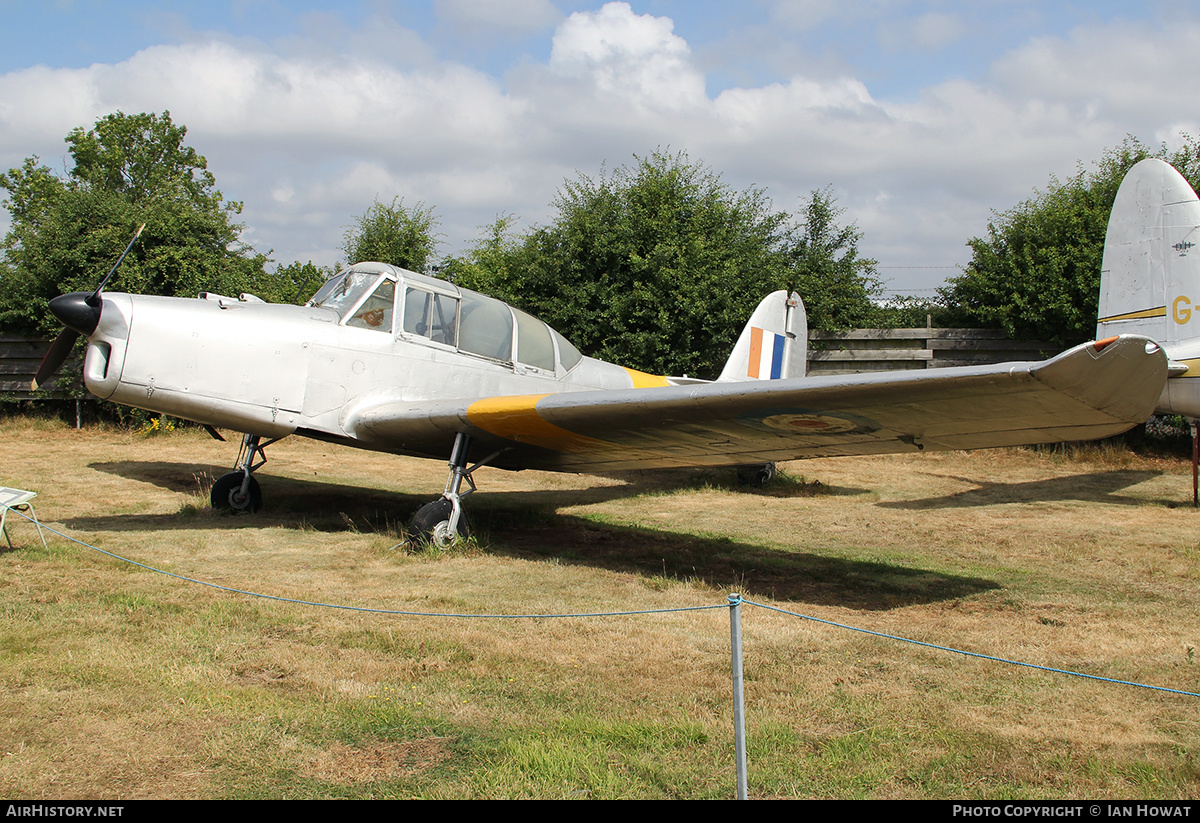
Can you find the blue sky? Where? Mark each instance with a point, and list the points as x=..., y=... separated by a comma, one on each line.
x=874, y=39
x=922, y=117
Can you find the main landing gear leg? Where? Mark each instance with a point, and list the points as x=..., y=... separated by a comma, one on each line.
x=238, y=491
x=444, y=521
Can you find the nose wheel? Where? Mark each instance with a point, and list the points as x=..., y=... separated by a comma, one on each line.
x=238, y=491
x=228, y=493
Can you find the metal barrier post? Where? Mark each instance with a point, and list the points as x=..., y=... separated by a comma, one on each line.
x=739, y=713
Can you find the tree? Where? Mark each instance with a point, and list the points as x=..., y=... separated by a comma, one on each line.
x=295, y=282
x=835, y=283
x=657, y=265
x=1037, y=274
x=68, y=230
x=143, y=157
x=393, y=234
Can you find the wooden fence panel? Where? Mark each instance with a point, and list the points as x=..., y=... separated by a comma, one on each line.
x=19, y=360
x=867, y=350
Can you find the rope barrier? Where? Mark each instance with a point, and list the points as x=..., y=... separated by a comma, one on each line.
x=953, y=650
x=726, y=605
x=365, y=609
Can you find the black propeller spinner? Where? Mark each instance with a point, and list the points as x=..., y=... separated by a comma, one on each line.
x=80, y=313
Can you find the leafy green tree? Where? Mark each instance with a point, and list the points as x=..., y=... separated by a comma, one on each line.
x=143, y=157
x=490, y=263
x=297, y=282
x=393, y=234
x=1037, y=273
x=835, y=282
x=908, y=312
x=658, y=265
x=68, y=230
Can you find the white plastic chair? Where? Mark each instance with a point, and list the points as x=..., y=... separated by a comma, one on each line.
x=18, y=500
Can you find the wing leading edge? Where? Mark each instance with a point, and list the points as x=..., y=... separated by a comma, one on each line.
x=1091, y=391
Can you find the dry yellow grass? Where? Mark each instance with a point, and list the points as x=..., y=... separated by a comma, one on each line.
x=119, y=682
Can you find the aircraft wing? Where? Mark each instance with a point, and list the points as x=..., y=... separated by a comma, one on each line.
x=1091, y=391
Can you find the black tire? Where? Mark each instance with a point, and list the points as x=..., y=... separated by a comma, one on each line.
x=756, y=476
x=227, y=494
x=430, y=525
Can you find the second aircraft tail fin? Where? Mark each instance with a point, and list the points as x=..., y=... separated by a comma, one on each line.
x=1150, y=277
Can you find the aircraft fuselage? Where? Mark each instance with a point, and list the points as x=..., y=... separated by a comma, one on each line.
x=274, y=370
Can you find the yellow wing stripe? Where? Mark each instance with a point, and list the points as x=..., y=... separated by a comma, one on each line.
x=1193, y=367
x=516, y=418
x=1161, y=311
x=641, y=380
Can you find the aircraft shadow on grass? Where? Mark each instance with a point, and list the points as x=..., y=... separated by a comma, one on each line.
x=526, y=525
x=748, y=569
x=1097, y=487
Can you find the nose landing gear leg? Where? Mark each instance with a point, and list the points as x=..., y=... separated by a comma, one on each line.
x=238, y=491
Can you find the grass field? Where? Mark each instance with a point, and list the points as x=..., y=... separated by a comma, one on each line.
x=119, y=682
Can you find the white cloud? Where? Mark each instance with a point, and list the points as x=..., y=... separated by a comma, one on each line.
x=255, y=95
x=636, y=57
x=1124, y=69
x=310, y=133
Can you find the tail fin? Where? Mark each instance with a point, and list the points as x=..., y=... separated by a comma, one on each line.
x=774, y=343
x=1150, y=277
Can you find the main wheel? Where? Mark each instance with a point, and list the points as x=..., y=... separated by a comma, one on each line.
x=756, y=476
x=431, y=525
x=227, y=494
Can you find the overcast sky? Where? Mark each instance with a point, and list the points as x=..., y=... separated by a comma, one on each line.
x=923, y=117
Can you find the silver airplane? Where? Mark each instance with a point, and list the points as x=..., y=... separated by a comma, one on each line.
x=390, y=360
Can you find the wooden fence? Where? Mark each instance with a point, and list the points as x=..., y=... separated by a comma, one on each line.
x=848, y=352
x=868, y=350
x=19, y=359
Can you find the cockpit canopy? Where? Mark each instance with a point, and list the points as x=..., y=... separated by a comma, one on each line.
x=373, y=295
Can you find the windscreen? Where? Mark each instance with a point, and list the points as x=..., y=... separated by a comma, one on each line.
x=343, y=291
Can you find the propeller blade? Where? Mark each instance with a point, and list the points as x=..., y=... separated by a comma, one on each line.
x=96, y=296
x=59, y=351
x=80, y=313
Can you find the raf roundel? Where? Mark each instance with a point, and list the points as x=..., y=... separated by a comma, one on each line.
x=807, y=421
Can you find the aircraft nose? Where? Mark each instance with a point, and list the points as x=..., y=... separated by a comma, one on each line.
x=77, y=312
